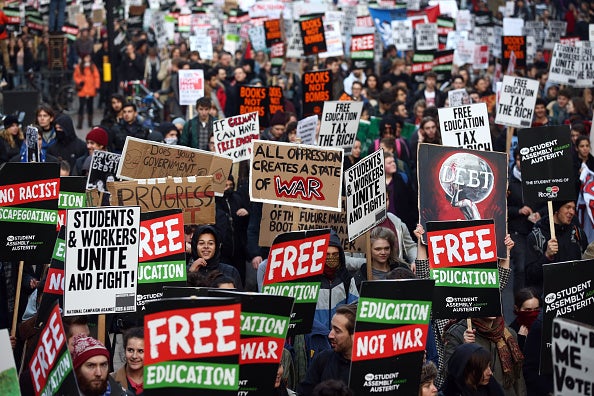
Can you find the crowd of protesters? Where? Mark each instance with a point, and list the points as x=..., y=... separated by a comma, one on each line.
x=227, y=254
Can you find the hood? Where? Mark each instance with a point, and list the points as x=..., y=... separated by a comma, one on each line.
x=458, y=361
x=68, y=133
x=335, y=241
x=214, y=261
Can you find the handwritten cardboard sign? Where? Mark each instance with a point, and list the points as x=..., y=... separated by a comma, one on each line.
x=233, y=135
x=193, y=195
x=304, y=176
x=142, y=159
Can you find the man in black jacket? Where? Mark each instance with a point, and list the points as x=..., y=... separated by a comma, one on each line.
x=568, y=245
x=128, y=126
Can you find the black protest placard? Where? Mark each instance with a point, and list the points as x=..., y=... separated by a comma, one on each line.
x=264, y=325
x=101, y=257
x=514, y=51
x=275, y=100
x=362, y=50
x=316, y=88
x=104, y=166
x=295, y=263
x=463, y=263
x=53, y=289
x=31, y=141
x=568, y=291
x=463, y=184
x=51, y=367
x=253, y=99
x=312, y=33
x=442, y=64
x=28, y=211
x=161, y=254
x=72, y=196
x=192, y=346
x=573, y=357
x=547, y=165
x=422, y=62
x=390, y=336
x=272, y=31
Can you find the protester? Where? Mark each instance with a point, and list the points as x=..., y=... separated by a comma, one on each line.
x=90, y=361
x=68, y=146
x=526, y=309
x=86, y=78
x=130, y=375
x=128, y=126
x=11, y=138
x=197, y=131
x=97, y=139
x=428, y=376
x=45, y=116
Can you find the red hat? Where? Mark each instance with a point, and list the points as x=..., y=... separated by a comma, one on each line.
x=98, y=135
x=85, y=348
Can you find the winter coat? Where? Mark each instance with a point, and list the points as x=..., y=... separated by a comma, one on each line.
x=68, y=146
x=87, y=80
x=327, y=365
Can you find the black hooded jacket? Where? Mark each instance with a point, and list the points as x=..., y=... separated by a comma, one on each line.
x=455, y=383
x=68, y=146
x=214, y=264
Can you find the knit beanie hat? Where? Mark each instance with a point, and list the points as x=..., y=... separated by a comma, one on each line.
x=278, y=118
x=9, y=120
x=98, y=135
x=85, y=348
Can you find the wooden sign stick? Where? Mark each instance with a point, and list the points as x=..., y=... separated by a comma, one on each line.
x=17, y=299
x=368, y=255
x=551, y=222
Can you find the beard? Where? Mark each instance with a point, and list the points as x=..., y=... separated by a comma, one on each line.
x=91, y=388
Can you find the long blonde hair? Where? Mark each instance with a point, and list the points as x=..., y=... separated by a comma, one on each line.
x=4, y=134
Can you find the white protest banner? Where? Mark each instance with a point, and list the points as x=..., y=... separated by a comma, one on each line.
x=233, y=135
x=464, y=52
x=591, y=31
x=513, y=26
x=565, y=64
x=402, y=35
x=365, y=194
x=555, y=30
x=530, y=49
x=295, y=43
x=340, y=122
x=101, y=260
x=516, y=102
x=454, y=38
x=573, y=357
x=481, y=57
x=191, y=86
x=426, y=36
x=104, y=166
x=266, y=9
x=509, y=8
x=333, y=40
x=466, y=127
x=202, y=44
x=464, y=21
x=458, y=97
x=306, y=129
x=257, y=36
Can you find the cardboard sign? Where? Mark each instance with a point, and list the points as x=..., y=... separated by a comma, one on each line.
x=514, y=47
x=306, y=129
x=50, y=367
x=460, y=184
x=339, y=124
x=463, y=263
x=104, y=166
x=54, y=279
x=312, y=33
x=547, y=167
x=253, y=99
x=366, y=194
x=466, y=127
x=304, y=176
x=161, y=255
x=317, y=88
x=193, y=195
x=142, y=159
x=272, y=31
x=277, y=219
x=426, y=36
x=191, y=86
x=72, y=195
x=8, y=371
x=390, y=337
x=458, y=97
x=198, y=339
x=264, y=326
x=573, y=356
x=101, y=257
x=362, y=47
x=233, y=135
x=516, y=102
x=28, y=210
x=568, y=293
x=295, y=261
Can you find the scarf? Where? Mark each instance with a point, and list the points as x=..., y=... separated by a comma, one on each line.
x=526, y=318
x=510, y=355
